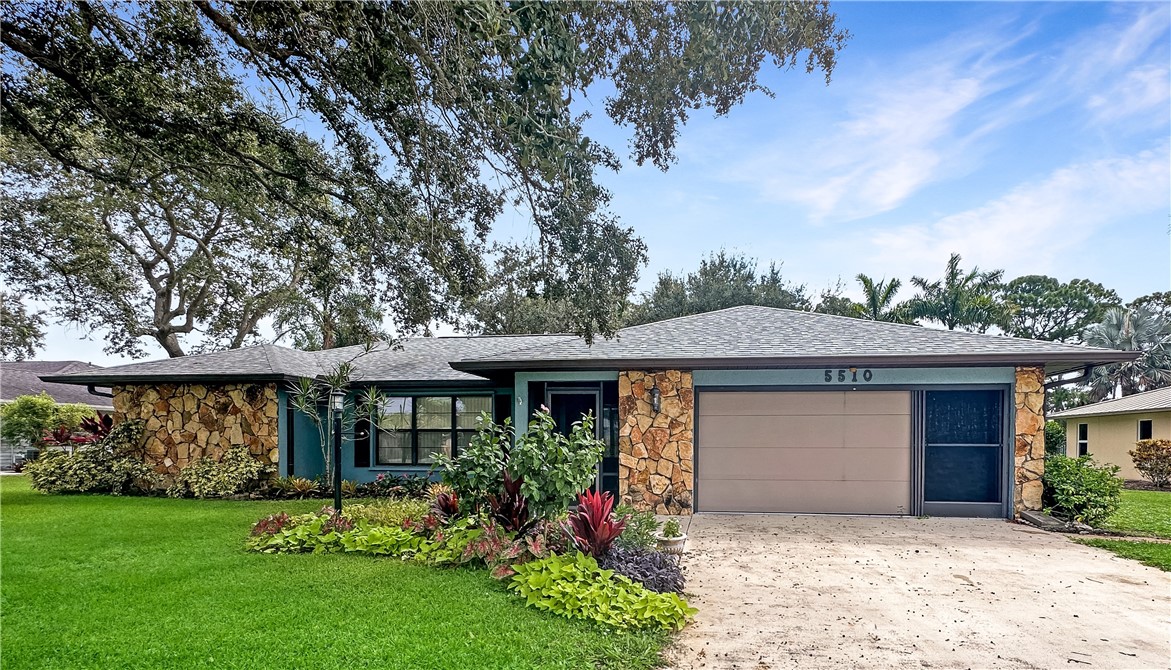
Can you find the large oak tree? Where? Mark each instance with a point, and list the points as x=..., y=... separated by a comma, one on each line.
x=390, y=135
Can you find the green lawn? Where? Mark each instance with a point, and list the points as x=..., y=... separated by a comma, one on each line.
x=104, y=582
x=1155, y=554
x=1143, y=513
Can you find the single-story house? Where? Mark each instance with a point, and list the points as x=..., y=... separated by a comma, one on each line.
x=748, y=409
x=19, y=378
x=1107, y=430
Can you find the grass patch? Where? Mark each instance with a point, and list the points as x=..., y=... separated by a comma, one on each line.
x=1142, y=513
x=103, y=582
x=1154, y=554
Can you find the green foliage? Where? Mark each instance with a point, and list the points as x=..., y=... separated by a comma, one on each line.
x=671, y=529
x=878, y=300
x=21, y=332
x=553, y=468
x=575, y=587
x=1154, y=554
x=1066, y=397
x=1142, y=513
x=478, y=471
x=964, y=300
x=1138, y=329
x=1054, y=438
x=723, y=280
x=312, y=398
x=90, y=469
x=641, y=527
x=657, y=571
x=392, y=513
x=29, y=417
x=1043, y=308
x=1152, y=458
x=1081, y=490
x=236, y=472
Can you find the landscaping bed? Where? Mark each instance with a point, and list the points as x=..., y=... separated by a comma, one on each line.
x=102, y=582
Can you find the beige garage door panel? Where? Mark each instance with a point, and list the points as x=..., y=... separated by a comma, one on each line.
x=809, y=497
x=806, y=452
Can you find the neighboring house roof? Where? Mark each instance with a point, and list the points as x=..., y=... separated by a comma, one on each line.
x=19, y=378
x=740, y=337
x=751, y=336
x=1158, y=400
x=421, y=360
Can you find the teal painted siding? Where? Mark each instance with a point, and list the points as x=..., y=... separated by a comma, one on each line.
x=879, y=377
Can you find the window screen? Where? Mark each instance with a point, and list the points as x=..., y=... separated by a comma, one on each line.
x=962, y=458
x=1083, y=439
x=1146, y=429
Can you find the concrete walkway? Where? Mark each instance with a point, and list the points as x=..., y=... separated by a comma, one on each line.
x=863, y=592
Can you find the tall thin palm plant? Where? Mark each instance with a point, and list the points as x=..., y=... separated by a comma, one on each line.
x=1131, y=330
x=878, y=300
x=964, y=300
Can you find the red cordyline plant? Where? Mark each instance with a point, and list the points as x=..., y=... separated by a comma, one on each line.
x=510, y=508
x=593, y=527
x=99, y=427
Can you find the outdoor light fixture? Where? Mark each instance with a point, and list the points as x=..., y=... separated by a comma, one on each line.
x=656, y=399
x=337, y=403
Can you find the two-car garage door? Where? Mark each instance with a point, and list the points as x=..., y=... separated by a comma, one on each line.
x=816, y=452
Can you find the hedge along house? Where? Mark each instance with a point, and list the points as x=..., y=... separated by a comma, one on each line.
x=748, y=409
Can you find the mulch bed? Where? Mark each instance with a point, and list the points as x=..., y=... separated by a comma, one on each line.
x=1143, y=485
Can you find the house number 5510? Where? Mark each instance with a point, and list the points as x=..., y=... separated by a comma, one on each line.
x=851, y=374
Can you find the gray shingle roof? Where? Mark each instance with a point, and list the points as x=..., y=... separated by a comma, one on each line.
x=1158, y=400
x=755, y=336
x=736, y=337
x=19, y=378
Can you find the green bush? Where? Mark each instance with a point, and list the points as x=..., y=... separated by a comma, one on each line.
x=575, y=587
x=640, y=528
x=1152, y=458
x=236, y=471
x=1054, y=439
x=390, y=512
x=91, y=469
x=478, y=470
x=1081, y=490
x=29, y=417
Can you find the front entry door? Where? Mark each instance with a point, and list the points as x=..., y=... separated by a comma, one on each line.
x=567, y=405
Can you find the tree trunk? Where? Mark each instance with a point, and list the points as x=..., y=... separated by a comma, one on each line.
x=170, y=342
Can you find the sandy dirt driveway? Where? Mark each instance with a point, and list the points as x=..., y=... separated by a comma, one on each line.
x=863, y=592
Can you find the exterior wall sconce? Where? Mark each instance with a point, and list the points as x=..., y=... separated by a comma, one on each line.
x=656, y=399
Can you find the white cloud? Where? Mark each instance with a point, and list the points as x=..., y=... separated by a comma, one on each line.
x=1032, y=227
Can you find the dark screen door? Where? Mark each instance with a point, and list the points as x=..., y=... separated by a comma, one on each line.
x=568, y=406
x=963, y=456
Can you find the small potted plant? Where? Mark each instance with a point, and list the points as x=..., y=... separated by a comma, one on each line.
x=671, y=539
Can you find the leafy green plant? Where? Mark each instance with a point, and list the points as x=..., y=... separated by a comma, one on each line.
x=1054, y=438
x=91, y=469
x=1152, y=458
x=127, y=438
x=671, y=529
x=575, y=587
x=641, y=527
x=592, y=527
x=1081, y=490
x=391, y=486
x=236, y=471
x=476, y=472
x=28, y=417
x=655, y=570
x=391, y=513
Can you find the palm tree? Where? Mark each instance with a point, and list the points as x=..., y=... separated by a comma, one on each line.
x=1131, y=330
x=878, y=301
x=958, y=300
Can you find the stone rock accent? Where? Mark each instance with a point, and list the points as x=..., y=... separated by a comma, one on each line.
x=1030, y=438
x=655, y=448
x=185, y=422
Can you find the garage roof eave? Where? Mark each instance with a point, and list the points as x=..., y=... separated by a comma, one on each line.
x=123, y=380
x=1054, y=362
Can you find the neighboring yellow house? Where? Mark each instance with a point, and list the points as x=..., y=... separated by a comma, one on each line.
x=1107, y=430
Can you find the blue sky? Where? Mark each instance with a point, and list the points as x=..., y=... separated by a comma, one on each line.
x=1031, y=137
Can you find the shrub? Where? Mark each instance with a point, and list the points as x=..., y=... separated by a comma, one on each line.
x=1054, y=438
x=390, y=486
x=294, y=487
x=1152, y=458
x=592, y=528
x=392, y=513
x=640, y=528
x=235, y=472
x=90, y=469
x=653, y=569
x=509, y=508
x=553, y=468
x=575, y=587
x=98, y=426
x=1081, y=490
x=29, y=417
x=127, y=438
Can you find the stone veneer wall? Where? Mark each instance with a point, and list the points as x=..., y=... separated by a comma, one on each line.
x=185, y=422
x=655, y=448
x=1030, y=438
